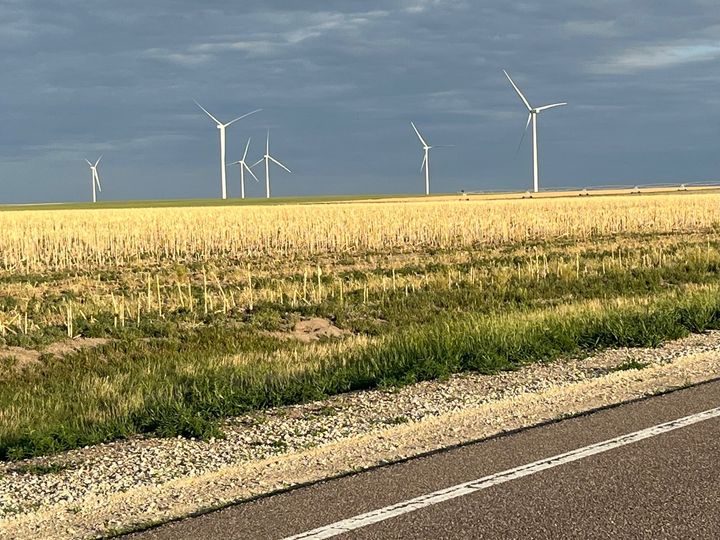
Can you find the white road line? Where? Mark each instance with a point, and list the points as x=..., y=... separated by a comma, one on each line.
x=382, y=514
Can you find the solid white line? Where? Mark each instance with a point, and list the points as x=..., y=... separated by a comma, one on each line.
x=423, y=501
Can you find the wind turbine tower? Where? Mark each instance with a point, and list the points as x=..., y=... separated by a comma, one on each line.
x=532, y=116
x=243, y=168
x=222, y=127
x=94, y=177
x=267, y=158
x=426, y=158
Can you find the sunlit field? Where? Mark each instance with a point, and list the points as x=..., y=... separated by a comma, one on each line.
x=103, y=239
x=193, y=310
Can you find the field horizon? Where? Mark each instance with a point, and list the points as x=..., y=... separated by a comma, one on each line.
x=350, y=198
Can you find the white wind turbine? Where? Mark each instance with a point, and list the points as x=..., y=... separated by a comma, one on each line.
x=533, y=113
x=222, y=127
x=243, y=168
x=267, y=158
x=426, y=159
x=94, y=177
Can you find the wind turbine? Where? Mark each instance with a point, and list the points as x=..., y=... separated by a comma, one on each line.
x=267, y=158
x=222, y=127
x=426, y=159
x=94, y=177
x=243, y=168
x=533, y=114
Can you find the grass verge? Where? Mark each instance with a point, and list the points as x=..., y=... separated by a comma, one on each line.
x=183, y=387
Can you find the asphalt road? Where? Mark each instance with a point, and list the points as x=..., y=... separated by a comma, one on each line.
x=664, y=486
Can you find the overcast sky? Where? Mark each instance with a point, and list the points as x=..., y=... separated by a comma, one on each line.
x=339, y=83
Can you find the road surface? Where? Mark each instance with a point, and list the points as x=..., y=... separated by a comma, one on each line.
x=632, y=471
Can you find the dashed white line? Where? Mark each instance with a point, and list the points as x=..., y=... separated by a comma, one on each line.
x=423, y=501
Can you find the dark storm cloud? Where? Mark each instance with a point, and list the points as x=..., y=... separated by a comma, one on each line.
x=339, y=83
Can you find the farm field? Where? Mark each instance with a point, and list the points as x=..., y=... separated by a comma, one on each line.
x=119, y=321
x=333, y=199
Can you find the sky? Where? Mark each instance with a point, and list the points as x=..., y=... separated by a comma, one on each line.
x=339, y=83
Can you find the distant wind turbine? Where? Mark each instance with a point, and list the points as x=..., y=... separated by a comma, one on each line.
x=94, y=177
x=267, y=158
x=222, y=127
x=243, y=168
x=533, y=113
x=426, y=159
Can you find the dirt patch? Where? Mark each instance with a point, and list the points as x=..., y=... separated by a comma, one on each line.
x=18, y=359
x=312, y=330
x=69, y=346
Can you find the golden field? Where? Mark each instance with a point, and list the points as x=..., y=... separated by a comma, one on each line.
x=39, y=240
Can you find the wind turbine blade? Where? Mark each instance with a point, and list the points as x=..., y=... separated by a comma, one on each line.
x=418, y=134
x=267, y=144
x=88, y=162
x=278, y=163
x=97, y=181
x=234, y=163
x=246, y=148
x=98, y=160
x=218, y=122
x=258, y=162
x=250, y=171
x=444, y=146
x=243, y=116
x=523, y=133
x=424, y=161
x=519, y=93
x=545, y=107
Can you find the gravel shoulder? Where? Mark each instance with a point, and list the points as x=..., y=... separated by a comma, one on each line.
x=91, y=492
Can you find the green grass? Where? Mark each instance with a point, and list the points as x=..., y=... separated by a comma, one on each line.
x=183, y=387
x=397, y=420
x=183, y=203
x=40, y=469
x=630, y=364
